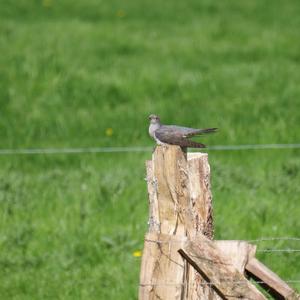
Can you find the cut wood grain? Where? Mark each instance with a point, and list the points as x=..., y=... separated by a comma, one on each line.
x=171, y=176
x=238, y=252
x=201, y=203
x=163, y=268
x=200, y=193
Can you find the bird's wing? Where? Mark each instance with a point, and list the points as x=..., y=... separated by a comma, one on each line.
x=169, y=134
x=176, y=135
x=179, y=132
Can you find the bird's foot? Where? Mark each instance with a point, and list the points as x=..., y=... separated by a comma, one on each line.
x=163, y=145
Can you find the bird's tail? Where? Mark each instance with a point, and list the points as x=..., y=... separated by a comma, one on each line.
x=207, y=130
x=193, y=144
x=196, y=132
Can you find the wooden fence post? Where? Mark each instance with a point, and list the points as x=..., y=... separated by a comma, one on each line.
x=179, y=207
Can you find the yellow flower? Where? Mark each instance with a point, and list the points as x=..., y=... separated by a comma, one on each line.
x=120, y=13
x=47, y=3
x=109, y=131
x=137, y=253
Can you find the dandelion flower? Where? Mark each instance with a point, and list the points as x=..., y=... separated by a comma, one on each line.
x=137, y=253
x=109, y=132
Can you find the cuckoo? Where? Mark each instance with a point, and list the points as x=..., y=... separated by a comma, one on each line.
x=175, y=135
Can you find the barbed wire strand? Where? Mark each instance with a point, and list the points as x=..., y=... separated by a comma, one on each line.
x=265, y=239
x=74, y=150
x=139, y=149
x=211, y=284
x=278, y=250
x=267, y=250
x=295, y=281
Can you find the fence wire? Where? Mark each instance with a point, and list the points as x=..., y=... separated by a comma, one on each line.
x=212, y=284
x=139, y=149
x=265, y=250
x=294, y=281
x=278, y=250
x=264, y=239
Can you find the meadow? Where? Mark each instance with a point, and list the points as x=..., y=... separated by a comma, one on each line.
x=88, y=74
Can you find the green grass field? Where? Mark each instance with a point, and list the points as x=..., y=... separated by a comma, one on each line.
x=69, y=70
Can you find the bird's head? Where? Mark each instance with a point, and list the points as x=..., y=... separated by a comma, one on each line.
x=154, y=119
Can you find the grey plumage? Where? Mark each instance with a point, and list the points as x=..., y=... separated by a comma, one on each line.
x=175, y=135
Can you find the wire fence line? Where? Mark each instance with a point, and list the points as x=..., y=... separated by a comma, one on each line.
x=264, y=250
x=213, y=283
x=139, y=149
x=278, y=250
x=74, y=150
x=265, y=239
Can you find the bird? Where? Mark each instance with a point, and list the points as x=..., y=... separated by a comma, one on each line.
x=175, y=135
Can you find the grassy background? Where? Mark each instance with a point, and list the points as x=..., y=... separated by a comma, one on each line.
x=71, y=69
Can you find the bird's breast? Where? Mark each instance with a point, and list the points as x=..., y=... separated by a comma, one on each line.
x=152, y=129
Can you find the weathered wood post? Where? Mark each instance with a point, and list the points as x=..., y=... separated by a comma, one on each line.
x=180, y=204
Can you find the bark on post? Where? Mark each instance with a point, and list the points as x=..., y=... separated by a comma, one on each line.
x=171, y=182
x=200, y=193
x=201, y=202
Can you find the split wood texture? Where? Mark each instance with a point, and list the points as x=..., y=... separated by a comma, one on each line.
x=163, y=268
x=218, y=268
x=180, y=206
x=223, y=264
